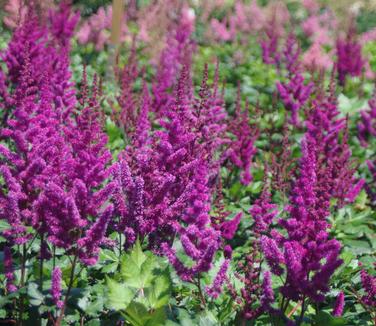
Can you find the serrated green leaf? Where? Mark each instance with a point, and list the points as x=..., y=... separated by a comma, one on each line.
x=138, y=315
x=158, y=294
x=137, y=268
x=119, y=295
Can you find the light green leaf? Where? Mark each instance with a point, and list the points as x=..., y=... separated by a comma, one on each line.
x=137, y=268
x=158, y=294
x=36, y=297
x=119, y=295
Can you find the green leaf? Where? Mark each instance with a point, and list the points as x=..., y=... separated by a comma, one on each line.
x=137, y=268
x=119, y=295
x=138, y=315
x=324, y=318
x=36, y=297
x=158, y=294
x=93, y=322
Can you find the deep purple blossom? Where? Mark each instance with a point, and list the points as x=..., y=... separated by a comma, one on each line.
x=349, y=56
x=8, y=270
x=306, y=254
x=63, y=22
x=295, y=92
x=176, y=54
x=263, y=211
x=242, y=149
x=215, y=289
x=56, y=287
x=367, y=124
x=339, y=305
x=267, y=297
x=330, y=132
x=369, y=286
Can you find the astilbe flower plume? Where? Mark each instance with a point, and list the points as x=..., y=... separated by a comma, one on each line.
x=270, y=43
x=33, y=35
x=282, y=163
x=209, y=121
x=199, y=240
x=295, y=92
x=334, y=155
x=176, y=54
x=63, y=23
x=8, y=270
x=249, y=271
x=32, y=128
x=126, y=118
x=349, y=56
x=267, y=297
x=339, y=305
x=306, y=254
x=69, y=204
x=242, y=149
x=56, y=287
x=369, y=287
x=163, y=183
x=47, y=53
x=367, y=123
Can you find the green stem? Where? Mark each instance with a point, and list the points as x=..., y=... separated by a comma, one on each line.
x=202, y=298
x=41, y=264
x=22, y=283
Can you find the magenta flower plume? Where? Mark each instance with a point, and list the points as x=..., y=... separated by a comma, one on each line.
x=349, y=56
x=267, y=297
x=339, y=305
x=56, y=287
x=8, y=270
x=330, y=132
x=228, y=228
x=367, y=123
x=63, y=22
x=270, y=43
x=242, y=149
x=200, y=241
x=295, y=92
x=176, y=54
x=94, y=237
x=215, y=289
x=306, y=254
x=369, y=286
x=263, y=211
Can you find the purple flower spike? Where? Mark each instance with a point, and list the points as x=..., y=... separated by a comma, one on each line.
x=339, y=305
x=56, y=287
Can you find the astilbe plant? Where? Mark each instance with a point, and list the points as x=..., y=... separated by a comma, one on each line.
x=227, y=228
x=164, y=183
x=306, y=258
x=255, y=290
x=53, y=171
x=282, y=163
